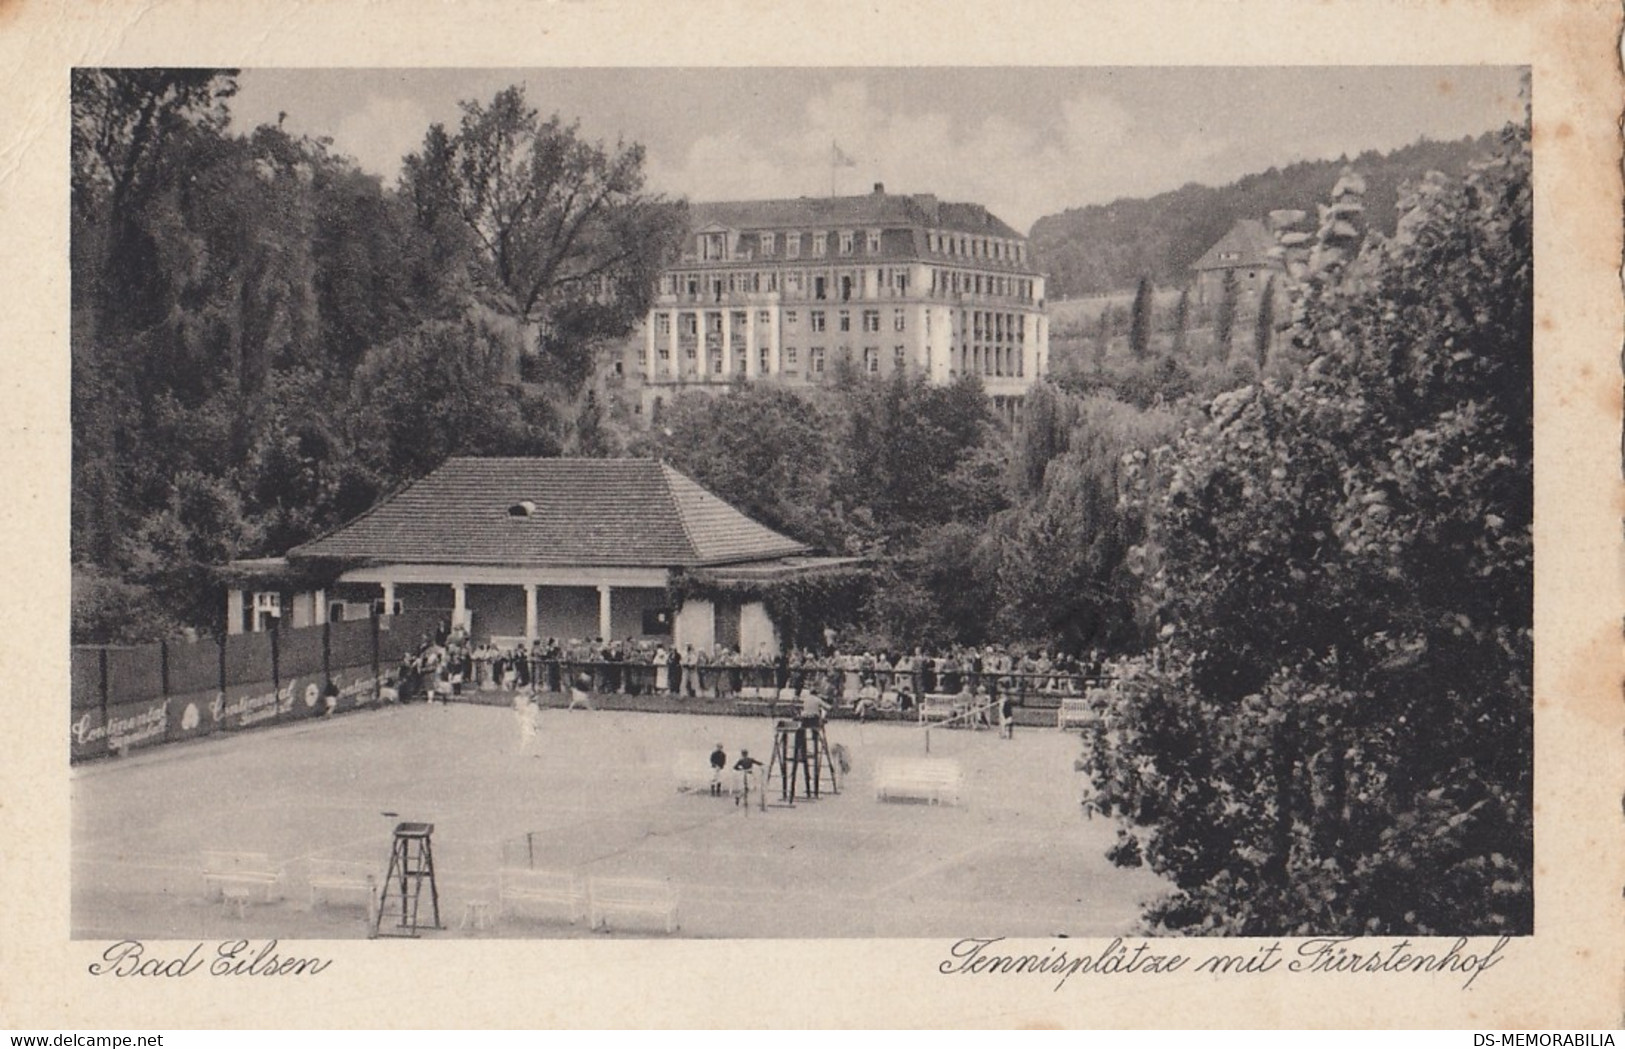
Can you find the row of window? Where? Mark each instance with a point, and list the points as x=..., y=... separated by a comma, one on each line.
x=985, y=324
x=791, y=361
x=995, y=362
x=688, y=323
x=962, y=282
x=713, y=246
x=844, y=285
x=963, y=244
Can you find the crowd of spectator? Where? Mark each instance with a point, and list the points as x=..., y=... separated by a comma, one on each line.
x=451, y=662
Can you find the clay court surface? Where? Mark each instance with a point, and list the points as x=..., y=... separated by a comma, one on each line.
x=600, y=799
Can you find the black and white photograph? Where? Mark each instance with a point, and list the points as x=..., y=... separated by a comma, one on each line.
x=1078, y=516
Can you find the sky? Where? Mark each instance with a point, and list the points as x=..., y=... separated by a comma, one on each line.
x=1026, y=142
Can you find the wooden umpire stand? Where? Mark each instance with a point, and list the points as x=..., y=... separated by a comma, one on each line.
x=411, y=867
x=801, y=750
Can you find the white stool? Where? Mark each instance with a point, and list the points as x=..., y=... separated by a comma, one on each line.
x=235, y=898
x=476, y=914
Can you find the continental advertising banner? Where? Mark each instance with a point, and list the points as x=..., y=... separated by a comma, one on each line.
x=125, y=726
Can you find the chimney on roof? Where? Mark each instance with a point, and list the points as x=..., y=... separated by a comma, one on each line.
x=880, y=189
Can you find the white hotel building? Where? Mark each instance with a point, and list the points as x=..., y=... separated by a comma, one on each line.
x=783, y=290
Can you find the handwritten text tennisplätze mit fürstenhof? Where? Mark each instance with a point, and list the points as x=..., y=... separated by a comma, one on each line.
x=1322, y=955
x=229, y=958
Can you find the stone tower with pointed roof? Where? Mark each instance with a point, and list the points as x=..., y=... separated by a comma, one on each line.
x=1247, y=250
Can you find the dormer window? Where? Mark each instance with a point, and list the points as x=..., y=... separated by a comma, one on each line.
x=523, y=508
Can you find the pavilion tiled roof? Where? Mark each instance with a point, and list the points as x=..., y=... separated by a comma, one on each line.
x=597, y=512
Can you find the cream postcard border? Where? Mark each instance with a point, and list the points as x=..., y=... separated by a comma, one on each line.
x=1571, y=973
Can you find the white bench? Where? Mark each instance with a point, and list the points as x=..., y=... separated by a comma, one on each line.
x=347, y=880
x=754, y=700
x=933, y=780
x=692, y=771
x=1082, y=710
x=541, y=895
x=627, y=902
x=940, y=706
x=1074, y=710
x=240, y=877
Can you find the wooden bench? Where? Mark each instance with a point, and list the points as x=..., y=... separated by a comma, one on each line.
x=540, y=895
x=933, y=780
x=348, y=881
x=632, y=903
x=240, y=878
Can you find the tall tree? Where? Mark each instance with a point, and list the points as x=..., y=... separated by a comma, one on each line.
x=1139, y=332
x=1182, y=323
x=562, y=235
x=1343, y=574
x=1224, y=323
x=124, y=122
x=1264, y=328
x=767, y=450
x=1063, y=555
x=1047, y=417
x=441, y=390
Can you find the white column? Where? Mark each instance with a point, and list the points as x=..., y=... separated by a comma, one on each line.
x=727, y=349
x=389, y=596
x=671, y=344
x=751, y=350
x=459, y=603
x=234, y=611
x=530, y=611
x=776, y=335
x=321, y=607
x=603, y=611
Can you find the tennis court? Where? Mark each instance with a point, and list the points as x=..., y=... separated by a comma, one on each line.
x=599, y=799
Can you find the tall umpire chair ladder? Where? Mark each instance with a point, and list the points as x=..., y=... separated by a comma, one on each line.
x=801, y=747
x=411, y=865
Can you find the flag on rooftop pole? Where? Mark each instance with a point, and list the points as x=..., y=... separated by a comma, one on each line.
x=837, y=159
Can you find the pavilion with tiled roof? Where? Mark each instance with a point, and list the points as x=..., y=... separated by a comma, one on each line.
x=531, y=547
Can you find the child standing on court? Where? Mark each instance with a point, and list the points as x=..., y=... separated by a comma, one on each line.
x=719, y=761
x=746, y=766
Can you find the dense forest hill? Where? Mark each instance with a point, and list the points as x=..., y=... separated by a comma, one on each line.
x=1109, y=247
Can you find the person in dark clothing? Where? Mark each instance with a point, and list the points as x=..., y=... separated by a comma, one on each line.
x=719, y=761
x=746, y=766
